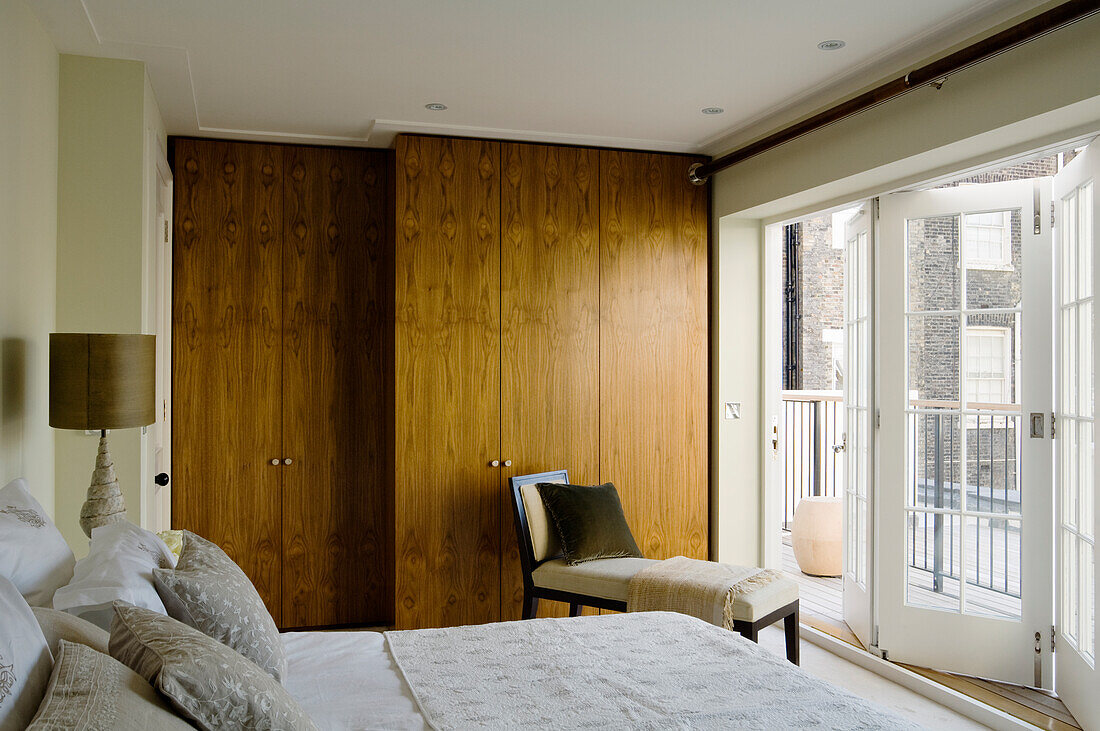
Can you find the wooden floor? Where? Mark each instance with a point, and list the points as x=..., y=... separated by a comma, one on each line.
x=821, y=605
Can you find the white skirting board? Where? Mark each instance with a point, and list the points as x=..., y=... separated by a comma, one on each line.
x=941, y=694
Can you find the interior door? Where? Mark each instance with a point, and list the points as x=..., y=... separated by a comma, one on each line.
x=335, y=517
x=227, y=353
x=550, y=331
x=1076, y=233
x=859, y=430
x=964, y=531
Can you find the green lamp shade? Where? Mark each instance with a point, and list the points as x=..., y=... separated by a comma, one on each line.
x=101, y=381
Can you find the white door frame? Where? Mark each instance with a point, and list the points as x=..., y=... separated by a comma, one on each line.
x=156, y=290
x=1077, y=678
x=859, y=446
x=772, y=426
x=966, y=643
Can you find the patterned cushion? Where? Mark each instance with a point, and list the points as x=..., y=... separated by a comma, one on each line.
x=25, y=659
x=207, y=682
x=209, y=592
x=90, y=691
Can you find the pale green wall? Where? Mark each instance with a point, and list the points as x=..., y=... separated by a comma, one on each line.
x=100, y=242
x=28, y=247
x=1037, y=94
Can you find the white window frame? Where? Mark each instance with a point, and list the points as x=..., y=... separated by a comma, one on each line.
x=1006, y=363
x=1002, y=263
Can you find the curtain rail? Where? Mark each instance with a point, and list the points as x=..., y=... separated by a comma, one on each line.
x=931, y=73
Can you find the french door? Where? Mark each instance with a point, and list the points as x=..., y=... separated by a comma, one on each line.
x=1076, y=234
x=859, y=429
x=964, y=511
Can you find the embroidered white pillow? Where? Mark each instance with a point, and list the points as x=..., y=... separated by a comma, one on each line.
x=119, y=567
x=33, y=554
x=25, y=660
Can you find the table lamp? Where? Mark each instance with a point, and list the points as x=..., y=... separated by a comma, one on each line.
x=101, y=382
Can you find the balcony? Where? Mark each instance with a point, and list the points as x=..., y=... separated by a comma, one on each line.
x=937, y=479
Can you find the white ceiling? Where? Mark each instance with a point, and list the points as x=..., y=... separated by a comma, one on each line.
x=626, y=73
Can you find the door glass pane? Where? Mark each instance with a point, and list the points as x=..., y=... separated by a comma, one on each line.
x=1069, y=470
x=1068, y=239
x=992, y=252
x=1084, y=252
x=1070, y=589
x=993, y=561
x=1087, y=642
x=933, y=263
x=934, y=361
x=1085, y=485
x=1069, y=371
x=993, y=363
x=932, y=553
x=935, y=460
x=992, y=464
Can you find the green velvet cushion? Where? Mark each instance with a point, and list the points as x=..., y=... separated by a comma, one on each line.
x=589, y=521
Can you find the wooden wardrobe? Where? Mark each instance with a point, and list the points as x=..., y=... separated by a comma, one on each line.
x=282, y=339
x=551, y=312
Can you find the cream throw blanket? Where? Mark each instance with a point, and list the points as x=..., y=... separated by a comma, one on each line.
x=702, y=589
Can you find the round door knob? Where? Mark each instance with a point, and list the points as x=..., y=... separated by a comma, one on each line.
x=288, y=460
x=161, y=479
x=495, y=463
x=507, y=463
x=275, y=462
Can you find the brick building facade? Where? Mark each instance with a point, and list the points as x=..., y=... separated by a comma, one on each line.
x=993, y=281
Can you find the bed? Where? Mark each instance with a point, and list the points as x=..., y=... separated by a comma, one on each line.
x=641, y=671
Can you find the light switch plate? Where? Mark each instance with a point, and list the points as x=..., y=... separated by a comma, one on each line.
x=733, y=410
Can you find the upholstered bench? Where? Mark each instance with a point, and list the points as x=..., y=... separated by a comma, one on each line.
x=605, y=583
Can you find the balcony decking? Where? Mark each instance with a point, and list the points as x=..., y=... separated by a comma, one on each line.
x=817, y=595
x=823, y=596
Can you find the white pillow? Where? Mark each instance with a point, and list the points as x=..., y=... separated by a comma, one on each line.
x=119, y=567
x=33, y=554
x=25, y=660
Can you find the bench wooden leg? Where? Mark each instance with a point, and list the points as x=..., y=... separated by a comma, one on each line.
x=575, y=610
x=790, y=631
x=530, y=606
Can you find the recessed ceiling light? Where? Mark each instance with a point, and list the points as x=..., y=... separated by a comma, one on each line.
x=833, y=45
x=712, y=110
x=435, y=107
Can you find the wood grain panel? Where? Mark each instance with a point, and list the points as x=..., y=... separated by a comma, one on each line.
x=653, y=349
x=550, y=308
x=336, y=220
x=226, y=345
x=447, y=382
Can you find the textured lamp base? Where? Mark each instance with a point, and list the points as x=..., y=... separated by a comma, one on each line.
x=104, y=504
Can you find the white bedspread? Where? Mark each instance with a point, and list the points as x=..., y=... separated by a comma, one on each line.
x=649, y=670
x=348, y=680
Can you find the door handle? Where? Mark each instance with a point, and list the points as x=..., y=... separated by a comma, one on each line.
x=495, y=463
x=161, y=479
x=838, y=448
x=507, y=463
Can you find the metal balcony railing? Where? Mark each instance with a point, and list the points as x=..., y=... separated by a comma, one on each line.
x=814, y=424
x=937, y=479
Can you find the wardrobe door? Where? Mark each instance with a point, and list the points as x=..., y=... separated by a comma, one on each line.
x=653, y=349
x=335, y=513
x=226, y=352
x=550, y=309
x=447, y=382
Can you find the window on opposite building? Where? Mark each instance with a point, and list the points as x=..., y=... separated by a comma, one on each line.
x=988, y=244
x=987, y=360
